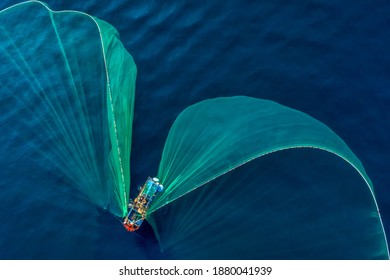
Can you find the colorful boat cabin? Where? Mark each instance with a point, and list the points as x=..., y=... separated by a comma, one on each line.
x=139, y=207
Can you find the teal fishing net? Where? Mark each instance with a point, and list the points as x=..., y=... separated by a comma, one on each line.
x=250, y=178
x=74, y=82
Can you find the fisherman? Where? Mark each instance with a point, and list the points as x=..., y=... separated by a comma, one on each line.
x=139, y=207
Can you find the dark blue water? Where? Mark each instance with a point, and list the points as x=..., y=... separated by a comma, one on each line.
x=328, y=59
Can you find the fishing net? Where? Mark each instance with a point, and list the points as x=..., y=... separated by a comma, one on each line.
x=250, y=178
x=68, y=86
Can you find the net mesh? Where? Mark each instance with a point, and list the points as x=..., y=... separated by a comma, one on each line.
x=215, y=136
x=267, y=210
x=73, y=84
